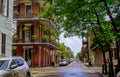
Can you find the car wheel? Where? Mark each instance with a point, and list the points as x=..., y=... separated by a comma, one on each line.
x=28, y=75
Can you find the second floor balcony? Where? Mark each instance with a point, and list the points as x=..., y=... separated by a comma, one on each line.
x=34, y=40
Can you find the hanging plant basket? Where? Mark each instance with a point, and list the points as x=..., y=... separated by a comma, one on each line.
x=25, y=28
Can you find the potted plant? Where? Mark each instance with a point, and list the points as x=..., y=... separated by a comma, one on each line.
x=52, y=31
x=34, y=12
x=25, y=28
x=16, y=37
x=44, y=28
x=46, y=37
x=52, y=38
x=34, y=36
x=16, y=13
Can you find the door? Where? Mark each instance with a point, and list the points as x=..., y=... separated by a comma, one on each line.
x=28, y=56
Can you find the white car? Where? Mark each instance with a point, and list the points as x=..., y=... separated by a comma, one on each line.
x=63, y=62
x=14, y=67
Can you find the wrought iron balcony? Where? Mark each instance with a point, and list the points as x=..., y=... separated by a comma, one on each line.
x=24, y=15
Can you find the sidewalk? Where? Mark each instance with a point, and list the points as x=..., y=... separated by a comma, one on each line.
x=95, y=69
x=98, y=70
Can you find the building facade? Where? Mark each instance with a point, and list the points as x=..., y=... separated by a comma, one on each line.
x=6, y=23
x=36, y=38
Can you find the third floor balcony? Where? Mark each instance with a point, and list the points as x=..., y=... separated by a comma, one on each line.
x=17, y=15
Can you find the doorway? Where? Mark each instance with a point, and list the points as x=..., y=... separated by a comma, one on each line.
x=28, y=55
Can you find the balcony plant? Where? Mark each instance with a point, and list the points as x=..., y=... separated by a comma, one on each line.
x=52, y=38
x=25, y=28
x=15, y=37
x=46, y=37
x=34, y=12
x=52, y=31
x=44, y=28
x=16, y=13
x=34, y=37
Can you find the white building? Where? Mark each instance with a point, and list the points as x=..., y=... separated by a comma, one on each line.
x=6, y=23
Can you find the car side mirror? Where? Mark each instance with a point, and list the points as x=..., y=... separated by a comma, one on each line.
x=13, y=66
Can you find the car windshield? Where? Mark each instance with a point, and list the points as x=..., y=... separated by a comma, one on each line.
x=63, y=60
x=4, y=64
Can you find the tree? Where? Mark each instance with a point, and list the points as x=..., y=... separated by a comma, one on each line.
x=79, y=17
x=79, y=55
x=66, y=54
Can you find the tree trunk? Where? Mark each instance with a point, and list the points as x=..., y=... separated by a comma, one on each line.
x=99, y=24
x=116, y=31
x=105, y=64
x=111, y=72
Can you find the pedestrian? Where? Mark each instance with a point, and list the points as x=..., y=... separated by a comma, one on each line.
x=90, y=64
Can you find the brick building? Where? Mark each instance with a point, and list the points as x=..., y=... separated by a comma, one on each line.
x=35, y=38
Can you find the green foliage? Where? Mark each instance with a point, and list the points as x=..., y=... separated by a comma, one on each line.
x=79, y=55
x=34, y=36
x=44, y=28
x=65, y=53
x=25, y=28
x=15, y=37
x=46, y=36
x=78, y=17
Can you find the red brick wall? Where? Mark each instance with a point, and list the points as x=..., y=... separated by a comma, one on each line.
x=19, y=51
x=35, y=56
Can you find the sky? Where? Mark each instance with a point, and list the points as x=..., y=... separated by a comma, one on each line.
x=74, y=43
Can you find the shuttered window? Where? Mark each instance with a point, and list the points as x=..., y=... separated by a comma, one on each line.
x=3, y=44
x=4, y=7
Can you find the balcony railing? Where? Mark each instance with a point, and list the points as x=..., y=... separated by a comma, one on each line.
x=34, y=41
x=25, y=15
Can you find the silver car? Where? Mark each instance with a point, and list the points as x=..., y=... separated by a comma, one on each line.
x=63, y=62
x=14, y=67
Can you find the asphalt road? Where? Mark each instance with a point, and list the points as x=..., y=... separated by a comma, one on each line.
x=75, y=69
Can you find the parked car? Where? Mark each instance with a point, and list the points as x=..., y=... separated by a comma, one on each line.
x=63, y=62
x=14, y=67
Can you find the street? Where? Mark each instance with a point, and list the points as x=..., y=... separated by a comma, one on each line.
x=75, y=69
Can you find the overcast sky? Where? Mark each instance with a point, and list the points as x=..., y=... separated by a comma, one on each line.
x=74, y=43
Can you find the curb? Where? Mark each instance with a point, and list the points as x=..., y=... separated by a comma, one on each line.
x=101, y=74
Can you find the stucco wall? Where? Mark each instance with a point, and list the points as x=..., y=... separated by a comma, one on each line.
x=6, y=28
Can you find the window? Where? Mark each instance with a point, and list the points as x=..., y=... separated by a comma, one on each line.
x=4, y=64
x=26, y=33
x=28, y=11
x=19, y=61
x=13, y=62
x=4, y=7
x=16, y=8
x=3, y=44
